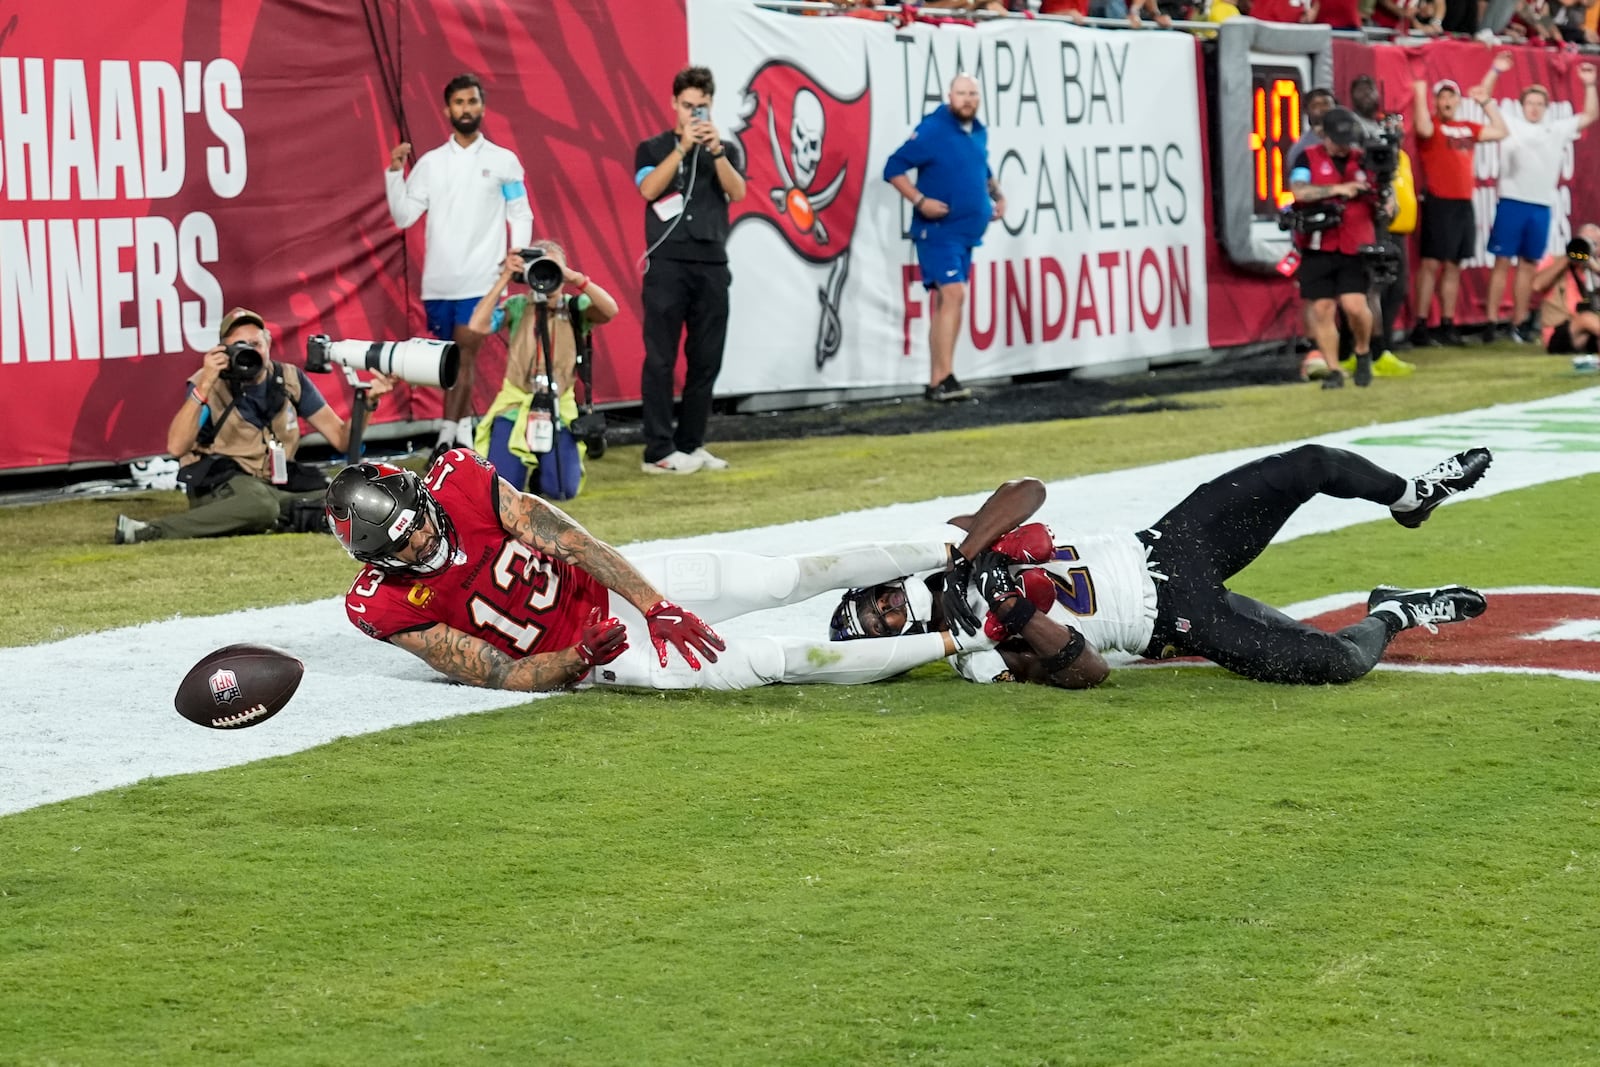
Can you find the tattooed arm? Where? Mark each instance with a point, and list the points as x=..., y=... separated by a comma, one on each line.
x=552, y=531
x=464, y=658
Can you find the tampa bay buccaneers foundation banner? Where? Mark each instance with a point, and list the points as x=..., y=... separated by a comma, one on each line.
x=1094, y=136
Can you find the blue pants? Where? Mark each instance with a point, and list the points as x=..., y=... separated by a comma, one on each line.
x=558, y=476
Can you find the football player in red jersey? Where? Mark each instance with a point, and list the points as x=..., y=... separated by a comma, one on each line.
x=497, y=588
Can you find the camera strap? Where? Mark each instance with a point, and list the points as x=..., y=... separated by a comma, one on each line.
x=208, y=433
x=584, y=364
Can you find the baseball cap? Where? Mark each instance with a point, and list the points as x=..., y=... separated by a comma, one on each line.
x=1444, y=84
x=1341, y=127
x=237, y=316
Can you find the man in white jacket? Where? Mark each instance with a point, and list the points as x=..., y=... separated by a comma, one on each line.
x=471, y=191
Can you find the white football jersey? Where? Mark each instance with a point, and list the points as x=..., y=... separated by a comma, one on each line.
x=1103, y=590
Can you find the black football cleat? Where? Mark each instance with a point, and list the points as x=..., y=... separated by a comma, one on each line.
x=1455, y=475
x=1427, y=607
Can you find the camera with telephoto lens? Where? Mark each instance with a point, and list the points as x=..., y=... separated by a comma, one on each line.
x=540, y=273
x=1579, y=250
x=420, y=361
x=1580, y=261
x=244, y=362
x=1310, y=217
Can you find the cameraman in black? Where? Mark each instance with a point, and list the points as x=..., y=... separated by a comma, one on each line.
x=1570, y=311
x=1333, y=221
x=235, y=438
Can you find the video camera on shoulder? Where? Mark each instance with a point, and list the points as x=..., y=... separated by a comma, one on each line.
x=541, y=273
x=420, y=361
x=1381, y=151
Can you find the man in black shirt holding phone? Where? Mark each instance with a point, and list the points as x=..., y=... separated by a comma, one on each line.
x=688, y=177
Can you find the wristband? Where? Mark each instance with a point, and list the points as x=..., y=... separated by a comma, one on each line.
x=1067, y=656
x=719, y=154
x=1017, y=615
x=918, y=201
x=581, y=285
x=198, y=396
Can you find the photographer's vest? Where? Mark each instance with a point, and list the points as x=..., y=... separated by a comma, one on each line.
x=242, y=440
x=1356, y=227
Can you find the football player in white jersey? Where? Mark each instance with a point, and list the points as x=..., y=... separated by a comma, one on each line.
x=1053, y=603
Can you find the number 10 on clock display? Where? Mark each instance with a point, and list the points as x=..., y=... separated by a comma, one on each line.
x=1275, y=127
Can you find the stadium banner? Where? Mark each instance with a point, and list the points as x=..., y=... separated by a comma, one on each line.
x=1093, y=135
x=155, y=171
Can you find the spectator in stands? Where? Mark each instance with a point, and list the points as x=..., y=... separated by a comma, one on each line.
x=1404, y=16
x=687, y=177
x=471, y=191
x=1570, y=312
x=1076, y=10
x=504, y=436
x=1284, y=10
x=1459, y=16
x=1332, y=274
x=1223, y=10
x=953, y=200
x=1569, y=19
x=1449, y=229
x=1534, y=21
x=235, y=437
x=1530, y=180
x=1338, y=14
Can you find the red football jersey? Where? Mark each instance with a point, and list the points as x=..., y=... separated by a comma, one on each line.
x=1447, y=158
x=495, y=587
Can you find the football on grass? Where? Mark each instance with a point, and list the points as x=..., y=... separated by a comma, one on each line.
x=238, y=686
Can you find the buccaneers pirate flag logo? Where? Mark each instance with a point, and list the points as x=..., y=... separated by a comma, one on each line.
x=806, y=155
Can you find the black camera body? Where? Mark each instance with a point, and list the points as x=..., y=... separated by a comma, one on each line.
x=1311, y=217
x=1382, y=264
x=1579, y=250
x=244, y=363
x=541, y=274
x=1381, y=151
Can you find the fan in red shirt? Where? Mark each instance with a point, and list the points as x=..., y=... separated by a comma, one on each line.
x=494, y=587
x=1446, y=145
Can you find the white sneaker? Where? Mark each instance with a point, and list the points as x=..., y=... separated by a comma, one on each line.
x=708, y=461
x=672, y=463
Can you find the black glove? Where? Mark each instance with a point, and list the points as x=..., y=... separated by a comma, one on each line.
x=953, y=594
x=992, y=571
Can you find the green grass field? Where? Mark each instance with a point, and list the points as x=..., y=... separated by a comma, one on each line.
x=1181, y=867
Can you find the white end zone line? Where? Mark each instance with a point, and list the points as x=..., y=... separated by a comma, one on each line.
x=66, y=732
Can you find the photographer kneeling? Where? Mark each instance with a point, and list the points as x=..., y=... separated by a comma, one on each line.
x=527, y=428
x=235, y=438
x=1333, y=223
x=1570, y=311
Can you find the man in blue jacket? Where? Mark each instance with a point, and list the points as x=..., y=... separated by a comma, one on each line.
x=953, y=200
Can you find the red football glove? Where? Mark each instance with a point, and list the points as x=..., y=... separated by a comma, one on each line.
x=1030, y=543
x=603, y=640
x=1038, y=588
x=688, y=634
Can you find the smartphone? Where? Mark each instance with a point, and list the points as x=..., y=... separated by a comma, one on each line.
x=702, y=114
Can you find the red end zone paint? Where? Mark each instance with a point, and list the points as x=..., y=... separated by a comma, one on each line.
x=1554, y=629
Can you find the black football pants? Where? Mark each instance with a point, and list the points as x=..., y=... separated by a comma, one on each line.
x=688, y=301
x=1225, y=524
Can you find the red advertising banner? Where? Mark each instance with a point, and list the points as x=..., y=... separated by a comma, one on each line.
x=159, y=168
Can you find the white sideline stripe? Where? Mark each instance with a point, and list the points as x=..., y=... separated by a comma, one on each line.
x=66, y=731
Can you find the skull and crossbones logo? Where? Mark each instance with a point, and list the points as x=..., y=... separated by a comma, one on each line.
x=807, y=125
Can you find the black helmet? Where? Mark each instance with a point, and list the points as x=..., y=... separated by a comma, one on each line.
x=860, y=610
x=373, y=508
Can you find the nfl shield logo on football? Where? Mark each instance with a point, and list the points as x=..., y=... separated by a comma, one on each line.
x=225, y=687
